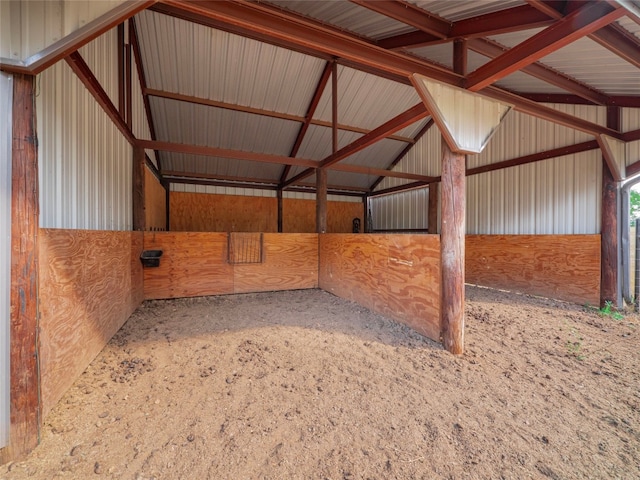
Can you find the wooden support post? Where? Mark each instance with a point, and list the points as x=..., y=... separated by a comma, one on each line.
x=321, y=200
x=609, y=225
x=432, y=215
x=167, y=202
x=279, y=195
x=25, y=382
x=366, y=219
x=138, y=181
x=452, y=247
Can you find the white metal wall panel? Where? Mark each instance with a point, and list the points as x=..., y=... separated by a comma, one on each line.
x=84, y=161
x=402, y=211
x=102, y=57
x=247, y=192
x=37, y=24
x=6, y=96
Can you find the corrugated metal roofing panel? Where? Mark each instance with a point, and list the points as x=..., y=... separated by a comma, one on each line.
x=347, y=16
x=198, y=164
x=318, y=142
x=460, y=9
x=221, y=128
x=6, y=105
x=203, y=62
x=586, y=61
x=365, y=100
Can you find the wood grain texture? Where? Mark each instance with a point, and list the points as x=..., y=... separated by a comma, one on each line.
x=192, y=264
x=564, y=267
x=196, y=264
x=395, y=275
x=300, y=216
x=90, y=283
x=25, y=405
x=200, y=212
x=155, y=203
x=452, y=245
x=290, y=263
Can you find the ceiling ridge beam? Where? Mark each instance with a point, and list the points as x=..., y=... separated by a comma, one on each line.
x=399, y=122
x=579, y=23
x=493, y=50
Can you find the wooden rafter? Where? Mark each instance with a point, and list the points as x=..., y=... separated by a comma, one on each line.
x=86, y=76
x=611, y=37
x=277, y=26
x=493, y=50
x=581, y=22
x=311, y=110
x=399, y=122
x=258, y=111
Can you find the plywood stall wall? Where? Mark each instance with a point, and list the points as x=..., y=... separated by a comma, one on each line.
x=565, y=267
x=204, y=212
x=195, y=264
x=90, y=283
x=155, y=203
x=300, y=216
x=395, y=275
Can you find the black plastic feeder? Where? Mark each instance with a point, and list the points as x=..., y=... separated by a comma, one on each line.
x=151, y=258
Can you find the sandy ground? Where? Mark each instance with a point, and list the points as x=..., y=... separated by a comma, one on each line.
x=305, y=385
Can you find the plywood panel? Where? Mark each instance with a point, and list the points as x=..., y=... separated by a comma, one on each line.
x=201, y=212
x=195, y=264
x=300, y=216
x=290, y=261
x=565, y=267
x=155, y=203
x=396, y=275
x=192, y=264
x=90, y=283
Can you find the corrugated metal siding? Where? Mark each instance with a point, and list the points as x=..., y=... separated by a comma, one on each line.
x=35, y=25
x=139, y=122
x=247, y=192
x=347, y=16
x=6, y=96
x=631, y=121
x=459, y=10
x=402, y=211
x=85, y=163
x=557, y=196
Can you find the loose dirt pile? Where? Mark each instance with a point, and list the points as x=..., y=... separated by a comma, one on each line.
x=305, y=385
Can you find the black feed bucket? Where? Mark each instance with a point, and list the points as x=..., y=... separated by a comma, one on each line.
x=151, y=258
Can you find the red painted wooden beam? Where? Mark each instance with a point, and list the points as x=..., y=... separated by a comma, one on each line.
x=586, y=20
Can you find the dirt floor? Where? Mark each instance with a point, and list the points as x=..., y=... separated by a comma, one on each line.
x=304, y=385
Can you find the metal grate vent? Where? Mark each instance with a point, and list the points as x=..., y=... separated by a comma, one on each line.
x=245, y=247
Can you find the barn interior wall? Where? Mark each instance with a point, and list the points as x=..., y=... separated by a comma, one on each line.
x=84, y=161
x=6, y=103
x=631, y=121
x=564, y=267
x=28, y=27
x=395, y=275
x=196, y=264
x=201, y=212
x=89, y=284
x=155, y=203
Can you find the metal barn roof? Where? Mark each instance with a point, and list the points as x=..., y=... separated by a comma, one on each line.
x=242, y=92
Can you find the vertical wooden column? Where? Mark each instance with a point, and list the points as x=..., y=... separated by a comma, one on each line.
x=25, y=382
x=452, y=238
x=167, y=203
x=365, y=219
x=138, y=184
x=280, y=218
x=609, y=225
x=321, y=200
x=432, y=215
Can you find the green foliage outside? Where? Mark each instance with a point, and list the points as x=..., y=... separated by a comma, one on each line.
x=634, y=205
